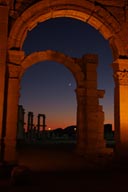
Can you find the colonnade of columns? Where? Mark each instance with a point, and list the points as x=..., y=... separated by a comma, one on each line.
x=41, y=123
x=30, y=130
x=30, y=124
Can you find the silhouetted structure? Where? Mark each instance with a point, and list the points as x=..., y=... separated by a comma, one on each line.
x=30, y=121
x=20, y=125
x=39, y=125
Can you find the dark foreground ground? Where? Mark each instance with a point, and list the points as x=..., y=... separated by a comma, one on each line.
x=59, y=169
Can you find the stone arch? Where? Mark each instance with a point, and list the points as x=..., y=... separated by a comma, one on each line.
x=51, y=55
x=88, y=12
x=104, y=17
x=89, y=117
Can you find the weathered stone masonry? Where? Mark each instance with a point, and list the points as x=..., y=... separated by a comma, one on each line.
x=110, y=18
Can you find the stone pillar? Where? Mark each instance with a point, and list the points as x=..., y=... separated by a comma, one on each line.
x=101, y=143
x=11, y=120
x=38, y=123
x=3, y=54
x=30, y=122
x=44, y=124
x=30, y=125
x=90, y=65
x=90, y=116
x=14, y=70
x=120, y=67
x=20, y=124
x=82, y=131
x=12, y=112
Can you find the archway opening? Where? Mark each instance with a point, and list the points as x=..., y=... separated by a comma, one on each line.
x=75, y=38
x=49, y=88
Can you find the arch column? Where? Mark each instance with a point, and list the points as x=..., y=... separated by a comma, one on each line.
x=3, y=47
x=120, y=67
x=90, y=120
x=43, y=125
x=12, y=113
x=90, y=116
x=81, y=120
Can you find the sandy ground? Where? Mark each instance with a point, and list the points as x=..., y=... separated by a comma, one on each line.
x=60, y=169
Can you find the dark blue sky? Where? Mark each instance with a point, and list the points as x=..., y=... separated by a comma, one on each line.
x=48, y=87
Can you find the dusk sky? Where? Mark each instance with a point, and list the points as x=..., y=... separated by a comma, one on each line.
x=48, y=87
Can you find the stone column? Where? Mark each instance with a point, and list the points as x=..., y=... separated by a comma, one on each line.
x=20, y=124
x=92, y=103
x=81, y=120
x=101, y=143
x=44, y=124
x=90, y=115
x=120, y=67
x=11, y=119
x=3, y=54
x=30, y=121
x=12, y=112
x=38, y=123
x=14, y=70
x=30, y=125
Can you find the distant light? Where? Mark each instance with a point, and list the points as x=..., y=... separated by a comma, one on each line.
x=69, y=84
x=49, y=128
x=75, y=129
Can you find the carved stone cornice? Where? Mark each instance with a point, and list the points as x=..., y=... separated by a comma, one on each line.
x=121, y=77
